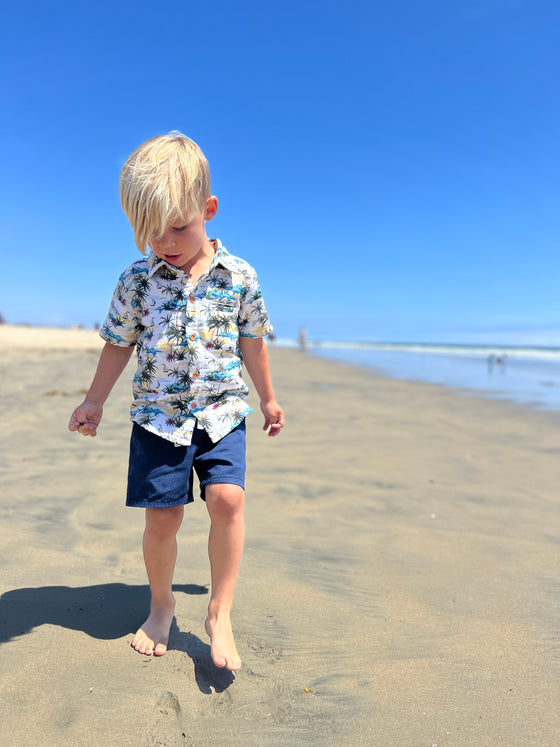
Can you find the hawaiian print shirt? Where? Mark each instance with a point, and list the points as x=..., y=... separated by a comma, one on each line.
x=187, y=341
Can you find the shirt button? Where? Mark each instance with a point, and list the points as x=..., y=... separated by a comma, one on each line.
x=192, y=299
x=195, y=375
x=193, y=405
x=192, y=337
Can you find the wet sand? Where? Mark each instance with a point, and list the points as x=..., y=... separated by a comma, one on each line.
x=399, y=585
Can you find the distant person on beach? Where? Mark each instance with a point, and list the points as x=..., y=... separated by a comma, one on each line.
x=194, y=313
x=302, y=339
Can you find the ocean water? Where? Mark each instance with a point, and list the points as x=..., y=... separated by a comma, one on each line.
x=523, y=374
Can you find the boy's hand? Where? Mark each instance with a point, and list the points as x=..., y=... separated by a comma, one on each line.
x=273, y=417
x=86, y=418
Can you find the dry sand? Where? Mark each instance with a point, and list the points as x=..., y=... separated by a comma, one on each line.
x=399, y=585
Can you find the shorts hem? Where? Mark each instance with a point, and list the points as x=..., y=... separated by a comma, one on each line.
x=233, y=481
x=159, y=504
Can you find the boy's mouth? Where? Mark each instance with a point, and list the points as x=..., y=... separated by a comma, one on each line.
x=171, y=257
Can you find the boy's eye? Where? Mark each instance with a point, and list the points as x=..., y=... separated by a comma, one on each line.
x=177, y=229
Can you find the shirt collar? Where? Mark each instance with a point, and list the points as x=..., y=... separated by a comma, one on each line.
x=221, y=257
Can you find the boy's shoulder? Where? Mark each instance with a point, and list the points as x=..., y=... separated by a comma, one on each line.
x=140, y=267
x=231, y=261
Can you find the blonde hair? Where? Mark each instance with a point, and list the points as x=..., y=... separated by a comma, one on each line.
x=166, y=178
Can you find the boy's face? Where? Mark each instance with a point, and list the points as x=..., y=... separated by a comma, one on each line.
x=183, y=240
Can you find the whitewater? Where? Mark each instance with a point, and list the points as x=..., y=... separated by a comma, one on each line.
x=519, y=373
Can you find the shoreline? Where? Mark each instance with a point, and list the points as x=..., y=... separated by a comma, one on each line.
x=484, y=395
x=534, y=384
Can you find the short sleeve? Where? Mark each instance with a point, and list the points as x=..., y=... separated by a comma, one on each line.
x=253, y=317
x=122, y=324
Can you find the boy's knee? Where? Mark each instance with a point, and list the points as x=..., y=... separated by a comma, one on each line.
x=224, y=499
x=164, y=521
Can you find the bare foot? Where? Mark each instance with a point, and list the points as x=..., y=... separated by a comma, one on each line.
x=222, y=646
x=153, y=636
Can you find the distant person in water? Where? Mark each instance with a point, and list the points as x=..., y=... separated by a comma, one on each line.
x=302, y=339
x=193, y=312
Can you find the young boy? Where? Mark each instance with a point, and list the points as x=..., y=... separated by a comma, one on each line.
x=194, y=313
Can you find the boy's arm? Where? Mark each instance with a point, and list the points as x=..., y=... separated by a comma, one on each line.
x=255, y=358
x=112, y=362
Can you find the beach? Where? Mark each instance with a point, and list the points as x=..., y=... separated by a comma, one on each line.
x=399, y=584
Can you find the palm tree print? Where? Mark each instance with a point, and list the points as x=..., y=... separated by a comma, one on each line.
x=141, y=290
x=205, y=422
x=179, y=295
x=148, y=371
x=219, y=324
x=168, y=306
x=167, y=274
x=217, y=399
x=180, y=354
x=175, y=333
x=216, y=344
x=182, y=378
x=118, y=321
x=180, y=405
x=216, y=376
x=176, y=421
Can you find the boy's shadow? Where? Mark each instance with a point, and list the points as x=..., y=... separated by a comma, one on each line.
x=106, y=611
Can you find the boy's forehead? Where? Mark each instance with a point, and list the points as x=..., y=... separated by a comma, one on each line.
x=177, y=217
x=180, y=218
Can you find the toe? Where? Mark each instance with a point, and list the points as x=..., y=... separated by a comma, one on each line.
x=142, y=644
x=233, y=664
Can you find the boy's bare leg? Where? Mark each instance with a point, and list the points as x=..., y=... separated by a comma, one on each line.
x=160, y=554
x=225, y=547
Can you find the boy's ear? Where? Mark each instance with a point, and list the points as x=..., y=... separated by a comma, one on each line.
x=211, y=208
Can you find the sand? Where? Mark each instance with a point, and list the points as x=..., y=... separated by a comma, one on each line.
x=399, y=585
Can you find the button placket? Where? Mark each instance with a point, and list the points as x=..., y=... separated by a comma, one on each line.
x=193, y=313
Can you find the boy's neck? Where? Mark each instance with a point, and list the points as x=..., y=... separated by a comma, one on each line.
x=197, y=265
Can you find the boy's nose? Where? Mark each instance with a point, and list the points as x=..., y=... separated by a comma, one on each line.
x=166, y=239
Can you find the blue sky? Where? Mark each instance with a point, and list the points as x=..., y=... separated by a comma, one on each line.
x=391, y=170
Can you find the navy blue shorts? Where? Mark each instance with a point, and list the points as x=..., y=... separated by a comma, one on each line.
x=160, y=474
